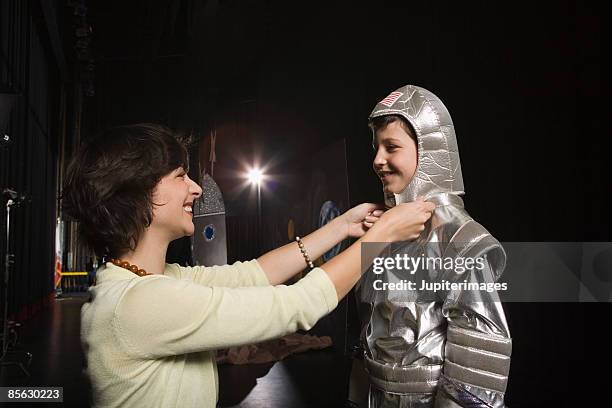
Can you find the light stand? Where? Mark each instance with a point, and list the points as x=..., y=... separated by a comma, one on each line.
x=13, y=199
x=259, y=210
x=256, y=176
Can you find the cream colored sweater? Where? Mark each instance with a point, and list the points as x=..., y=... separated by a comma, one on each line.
x=150, y=341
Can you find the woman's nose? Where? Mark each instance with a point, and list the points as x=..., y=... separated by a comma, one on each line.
x=198, y=190
x=194, y=188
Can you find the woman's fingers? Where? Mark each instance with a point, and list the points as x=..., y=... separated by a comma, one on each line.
x=375, y=214
x=425, y=205
x=371, y=207
x=407, y=220
x=358, y=213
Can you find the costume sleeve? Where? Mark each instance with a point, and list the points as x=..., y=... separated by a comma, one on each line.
x=478, y=346
x=159, y=316
x=235, y=275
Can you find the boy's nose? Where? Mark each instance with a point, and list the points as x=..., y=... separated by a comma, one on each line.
x=379, y=159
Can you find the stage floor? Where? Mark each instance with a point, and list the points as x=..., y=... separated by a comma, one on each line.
x=311, y=379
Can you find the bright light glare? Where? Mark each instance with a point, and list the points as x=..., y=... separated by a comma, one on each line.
x=255, y=176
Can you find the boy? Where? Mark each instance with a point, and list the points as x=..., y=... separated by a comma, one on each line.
x=449, y=350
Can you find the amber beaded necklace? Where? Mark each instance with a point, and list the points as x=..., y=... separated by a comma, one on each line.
x=129, y=267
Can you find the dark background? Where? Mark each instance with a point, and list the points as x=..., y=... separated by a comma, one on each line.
x=280, y=81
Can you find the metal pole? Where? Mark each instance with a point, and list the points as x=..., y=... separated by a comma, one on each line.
x=259, y=232
x=259, y=200
x=7, y=262
x=4, y=360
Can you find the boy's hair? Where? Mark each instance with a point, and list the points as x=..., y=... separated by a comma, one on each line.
x=109, y=184
x=381, y=122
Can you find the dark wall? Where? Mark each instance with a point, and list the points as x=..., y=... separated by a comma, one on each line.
x=279, y=81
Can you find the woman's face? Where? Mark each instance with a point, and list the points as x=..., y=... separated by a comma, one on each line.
x=396, y=157
x=173, y=204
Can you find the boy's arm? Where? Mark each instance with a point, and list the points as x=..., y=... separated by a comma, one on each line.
x=478, y=346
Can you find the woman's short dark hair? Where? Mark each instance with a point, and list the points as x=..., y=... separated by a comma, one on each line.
x=381, y=122
x=109, y=184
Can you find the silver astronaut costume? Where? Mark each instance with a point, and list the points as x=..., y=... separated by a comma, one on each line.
x=453, y=352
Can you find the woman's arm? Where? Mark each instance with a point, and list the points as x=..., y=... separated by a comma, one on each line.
x=239, y=274
x=401, y=223
x=158, y=316
x=282, y=263
x=353, y=223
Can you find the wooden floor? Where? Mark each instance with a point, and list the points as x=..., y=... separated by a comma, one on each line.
x=315, y=379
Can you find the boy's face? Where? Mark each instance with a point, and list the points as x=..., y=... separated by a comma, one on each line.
x=396, y=157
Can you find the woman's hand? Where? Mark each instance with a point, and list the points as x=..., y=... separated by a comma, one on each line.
x=361, y=218
x=404, y=222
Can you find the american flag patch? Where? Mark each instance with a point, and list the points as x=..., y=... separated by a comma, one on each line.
x=391, y=98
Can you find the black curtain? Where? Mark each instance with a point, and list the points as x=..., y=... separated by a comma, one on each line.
x=28, y=165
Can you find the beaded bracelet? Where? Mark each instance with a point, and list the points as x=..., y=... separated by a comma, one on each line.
x=304, y=253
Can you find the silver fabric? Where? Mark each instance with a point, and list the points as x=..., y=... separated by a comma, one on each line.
x=451, y=350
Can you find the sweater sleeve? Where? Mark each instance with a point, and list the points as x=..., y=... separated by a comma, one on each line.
x=160, y=316
x=235, y=275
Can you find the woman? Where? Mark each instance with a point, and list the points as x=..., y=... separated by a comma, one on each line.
x=150, y=329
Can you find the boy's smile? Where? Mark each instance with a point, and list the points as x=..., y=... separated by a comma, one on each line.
x=396, y=157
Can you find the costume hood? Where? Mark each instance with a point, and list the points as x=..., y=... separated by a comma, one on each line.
x=438, y=169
